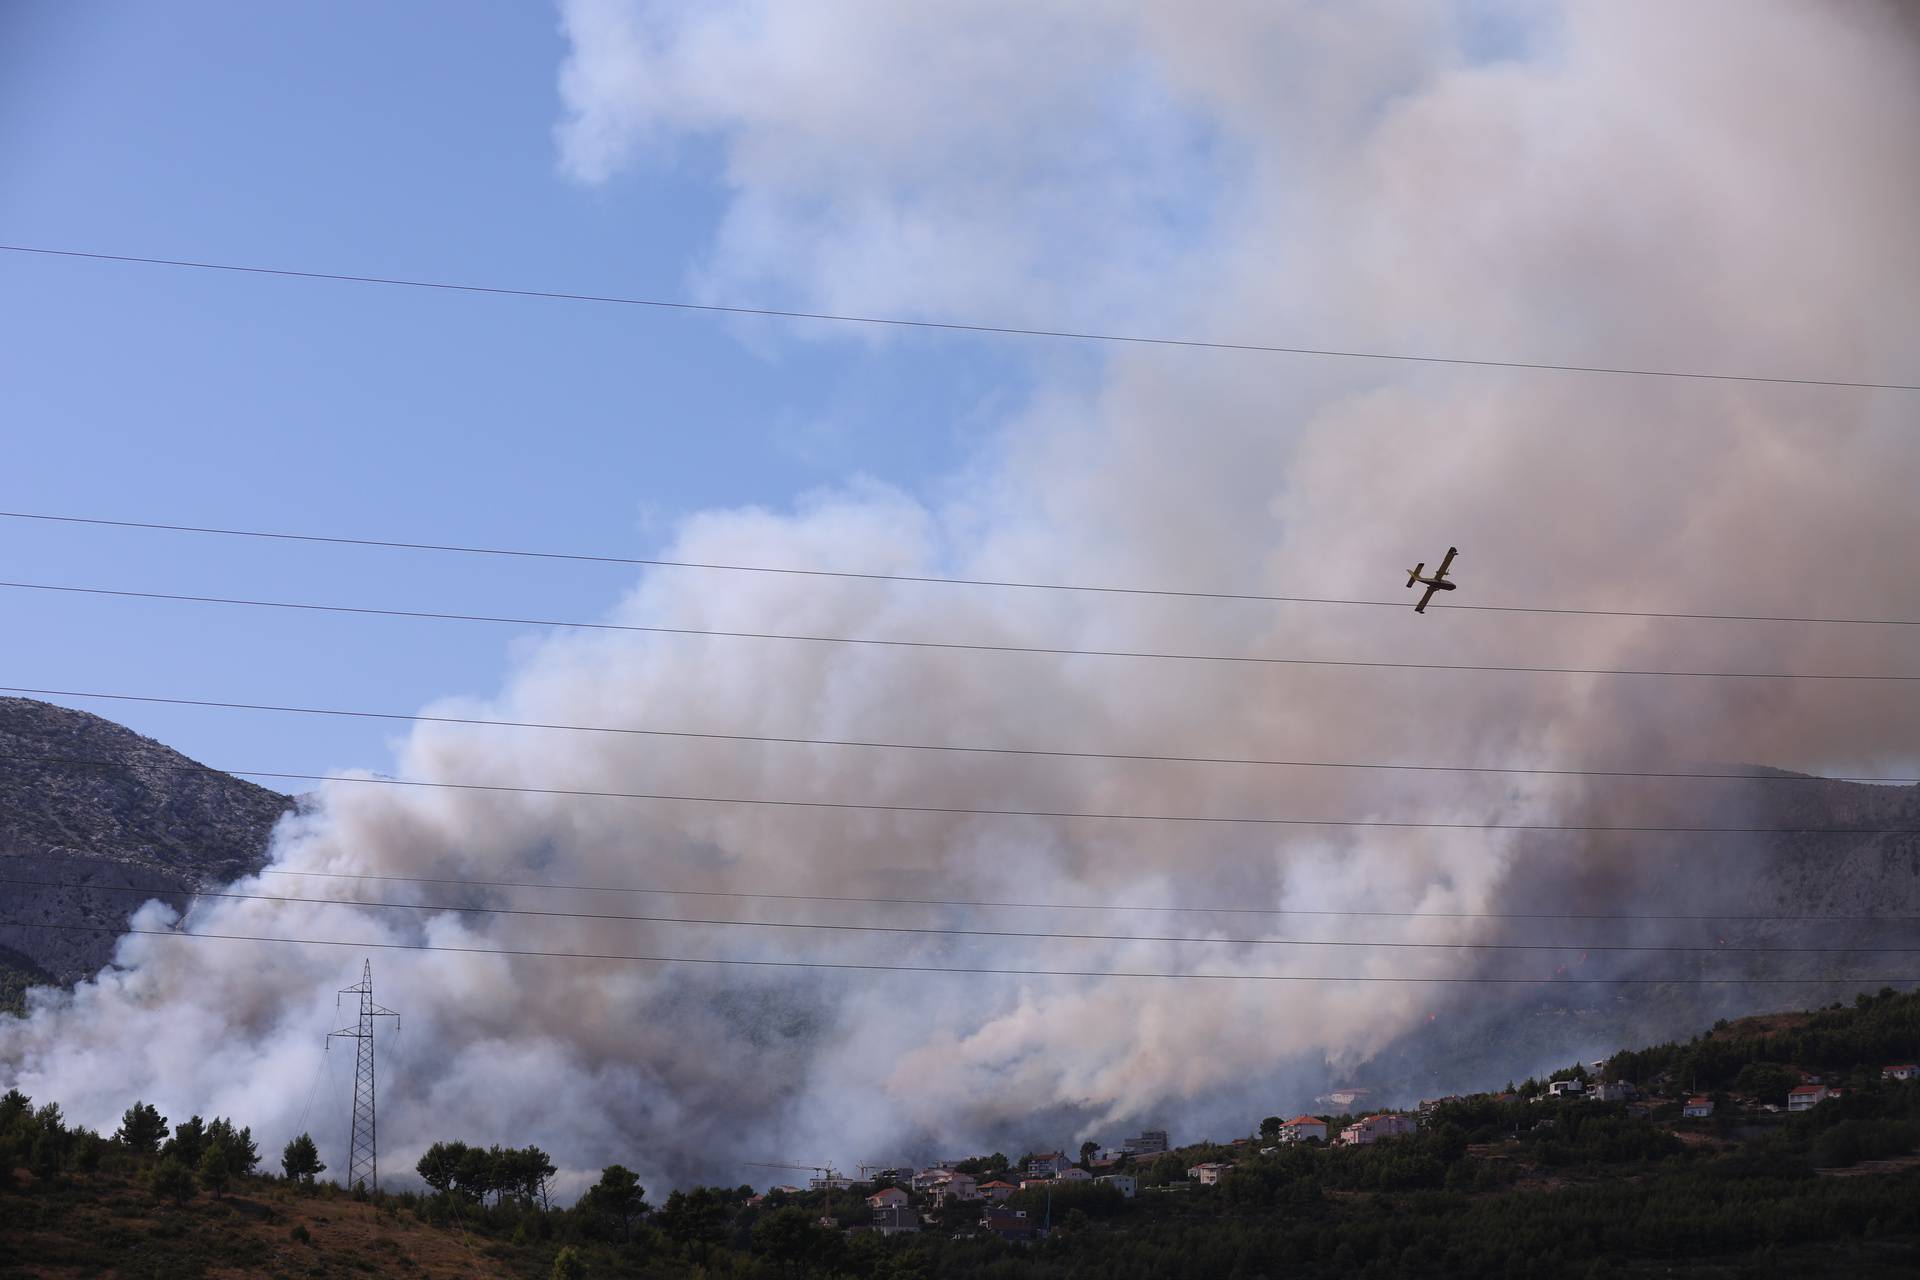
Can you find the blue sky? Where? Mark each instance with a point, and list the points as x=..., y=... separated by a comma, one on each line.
x=410, y=140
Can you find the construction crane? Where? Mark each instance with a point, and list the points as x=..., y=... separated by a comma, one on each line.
x=824, y=1175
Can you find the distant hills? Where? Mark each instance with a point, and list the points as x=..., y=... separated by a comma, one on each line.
x=142, y=815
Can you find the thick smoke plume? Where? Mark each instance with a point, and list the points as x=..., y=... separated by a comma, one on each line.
x=1715, y=186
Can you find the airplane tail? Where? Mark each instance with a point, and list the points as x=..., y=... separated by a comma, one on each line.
x=1413, y=574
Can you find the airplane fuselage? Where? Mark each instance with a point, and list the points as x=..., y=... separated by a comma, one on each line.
x=1438, y=582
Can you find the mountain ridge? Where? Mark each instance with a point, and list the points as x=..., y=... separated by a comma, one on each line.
x=148, y=818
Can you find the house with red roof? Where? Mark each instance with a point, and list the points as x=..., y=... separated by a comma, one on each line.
x=1301, y=1128
x=1904, y=1071
x=891, y=1198
x=1807, y=1096
x=1698, y=1108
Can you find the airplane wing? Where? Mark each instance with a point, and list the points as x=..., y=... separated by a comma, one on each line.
x=1426, y=596
x=1441, y=572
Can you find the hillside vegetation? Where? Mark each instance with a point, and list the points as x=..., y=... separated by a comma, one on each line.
x=1514, y=1182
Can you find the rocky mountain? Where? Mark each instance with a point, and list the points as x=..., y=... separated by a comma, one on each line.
x=134, y=814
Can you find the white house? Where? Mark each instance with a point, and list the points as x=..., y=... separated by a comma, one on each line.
x=1209, y=1174
x=1073, y=1174
x=1613, y=1091
x=1807, y=1096
x=830, y=1182
x=955, y=1185
x=1048, y=1164
x=1698, y=1108
x=1371, y=1129
x=891, y=1198
x=1301, y=1128
x=1147, y=1142
x=1122, y=1182
x=1561, y=1088
x=1905, y=1071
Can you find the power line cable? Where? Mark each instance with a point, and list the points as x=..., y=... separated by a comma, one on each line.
x=654, y=562
x=966, y=969
x=549, y=886
x=972, y=811
x=955, y=645
x=1049, y=753
x=318, y=1067
x=952, y=326
x=978, y=904
x=946, y=932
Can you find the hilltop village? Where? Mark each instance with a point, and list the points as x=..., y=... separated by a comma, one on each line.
x=996, y=1196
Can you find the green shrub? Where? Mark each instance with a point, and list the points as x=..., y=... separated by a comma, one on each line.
x=171, y=1180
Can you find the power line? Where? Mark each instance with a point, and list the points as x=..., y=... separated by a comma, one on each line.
x=654, y=562
x=971, y=811
x=967, y=969
x=548, y=886
x=978, y=904
x=1049, y=753
x=946, y=932
x=1164, y=656
x=952, y=326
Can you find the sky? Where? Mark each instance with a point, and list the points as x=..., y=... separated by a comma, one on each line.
x=415, y=141
x=1724, y=186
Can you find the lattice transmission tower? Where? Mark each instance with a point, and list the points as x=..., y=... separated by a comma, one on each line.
x=363, y=1151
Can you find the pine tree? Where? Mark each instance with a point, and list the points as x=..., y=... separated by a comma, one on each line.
x=213, y=1169
x=188, y=1143
x=301, y=1160
x=237, y=1144
x=142, y=1128
x=619, y=1195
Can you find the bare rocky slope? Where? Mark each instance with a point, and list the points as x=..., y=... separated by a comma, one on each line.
x=137, y=814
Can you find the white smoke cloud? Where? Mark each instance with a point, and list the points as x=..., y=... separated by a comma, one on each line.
x=1713, y=185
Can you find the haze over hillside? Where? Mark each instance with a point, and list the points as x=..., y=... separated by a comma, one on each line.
x=1282, y=830
x=153, y=820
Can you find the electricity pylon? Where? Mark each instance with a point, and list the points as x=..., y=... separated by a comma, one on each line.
x=363, y=1152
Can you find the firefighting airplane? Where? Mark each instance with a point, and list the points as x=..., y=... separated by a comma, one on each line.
x=1438, y=582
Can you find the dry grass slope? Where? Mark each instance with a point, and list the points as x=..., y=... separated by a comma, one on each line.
x=111, y=1226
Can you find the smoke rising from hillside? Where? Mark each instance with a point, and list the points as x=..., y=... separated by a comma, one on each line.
x=1711, y=186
